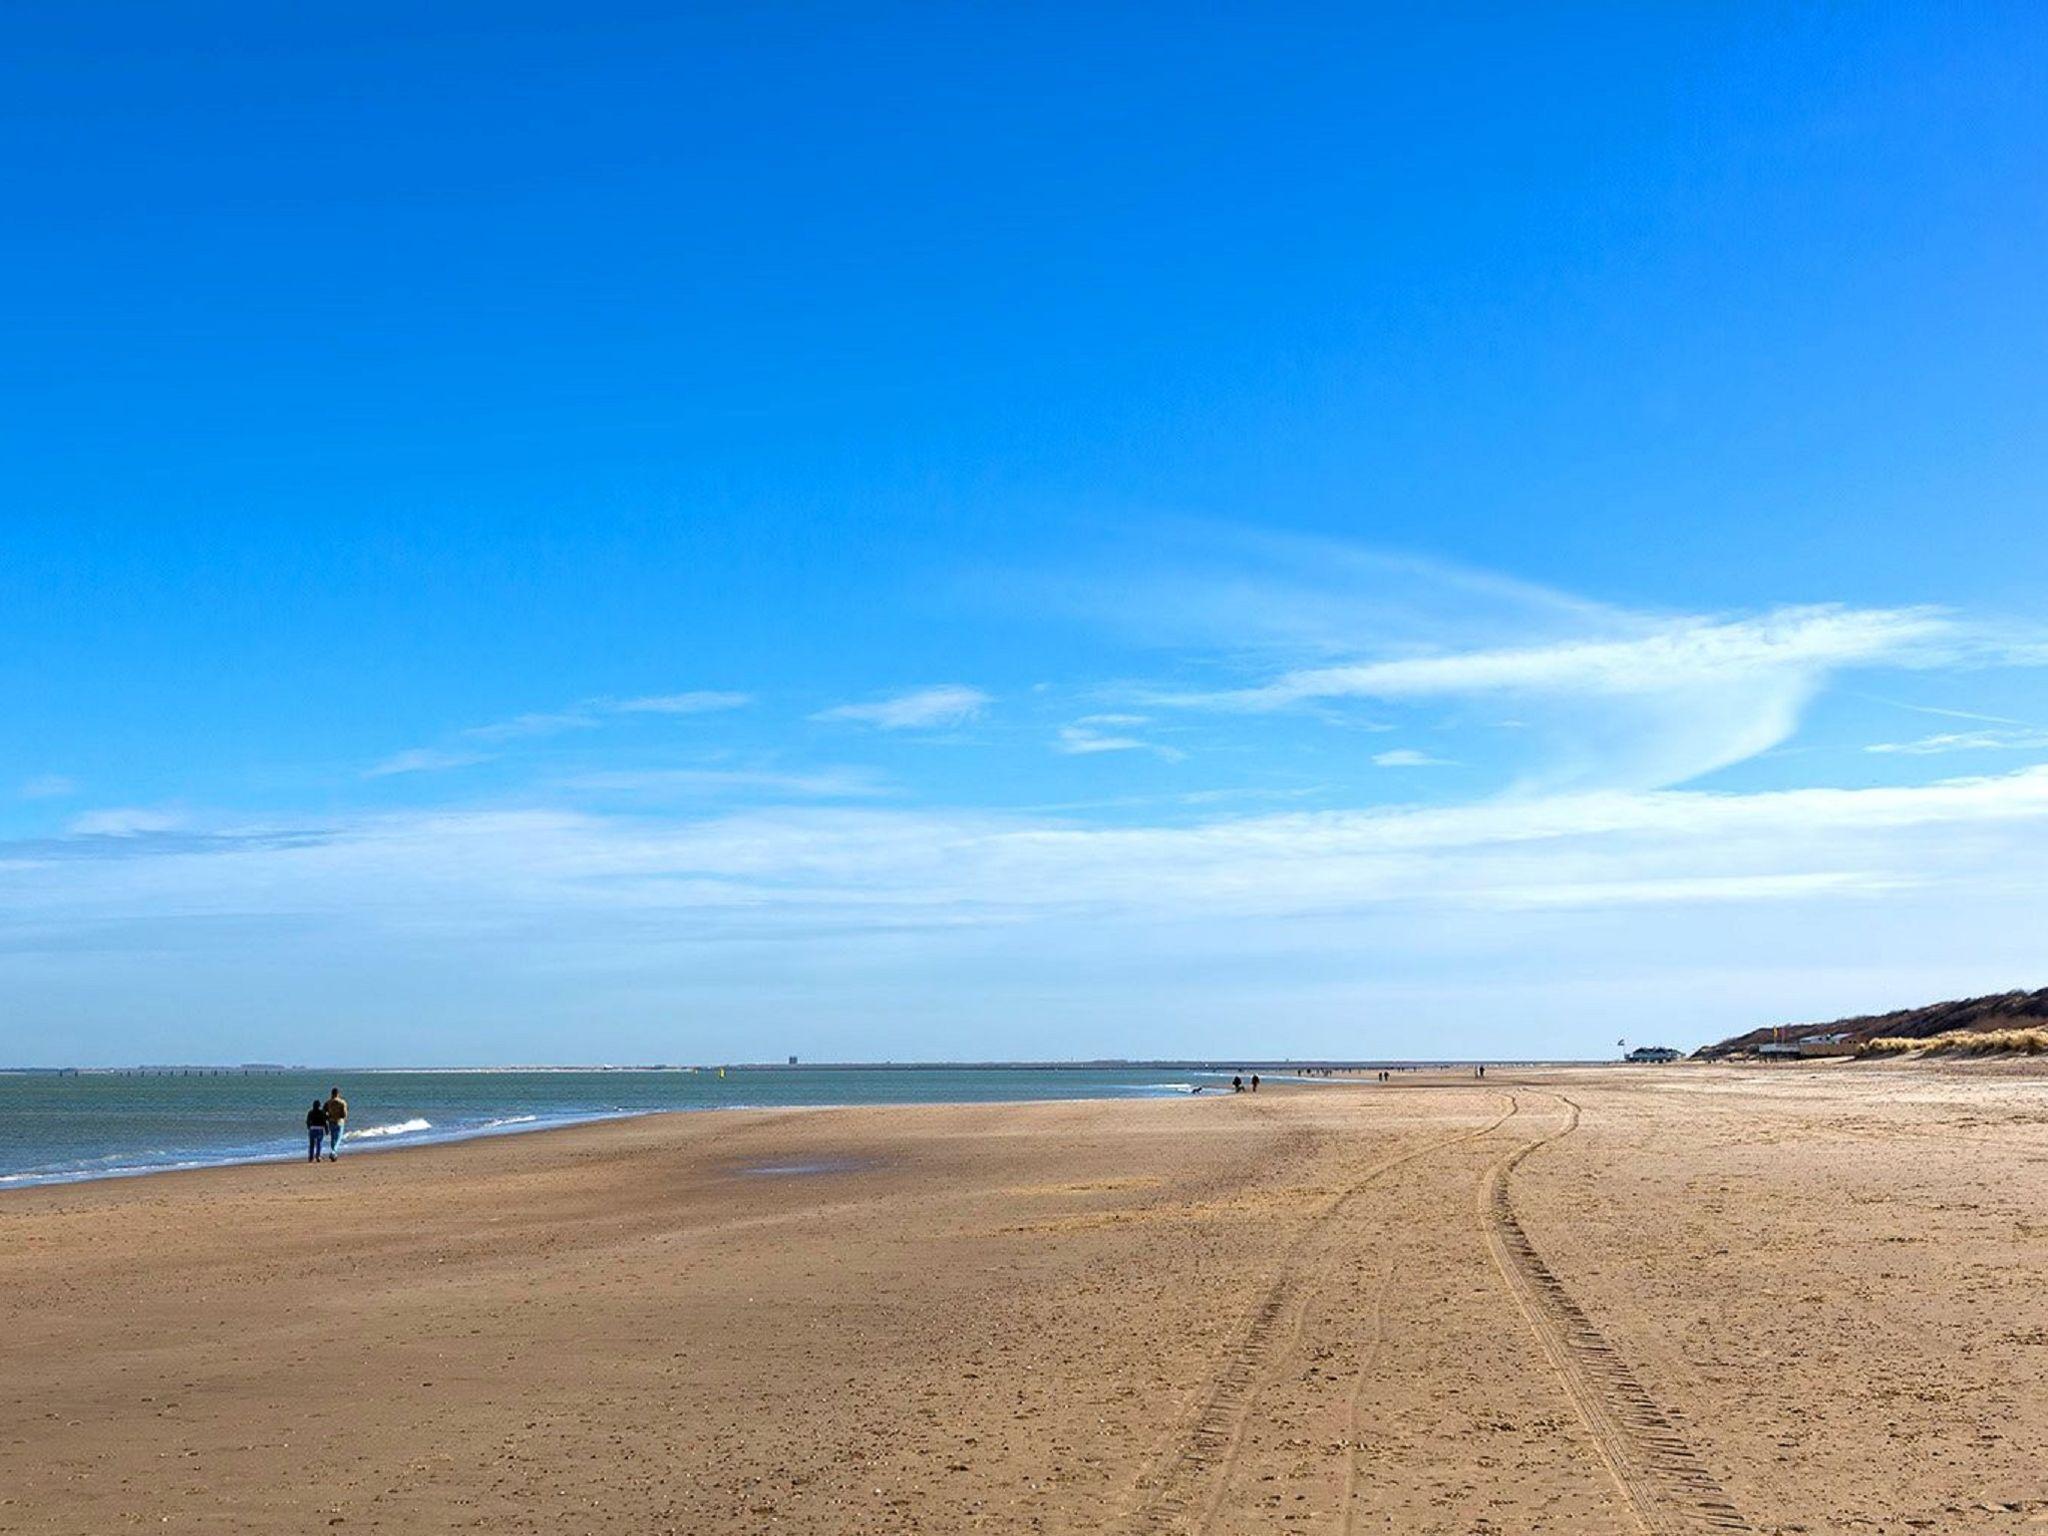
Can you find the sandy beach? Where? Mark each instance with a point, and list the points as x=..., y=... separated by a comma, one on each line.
x=1598, y=1301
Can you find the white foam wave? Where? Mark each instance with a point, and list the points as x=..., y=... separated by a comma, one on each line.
x=401, y=1128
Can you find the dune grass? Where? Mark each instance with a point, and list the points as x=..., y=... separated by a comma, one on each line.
x=1962, y=1042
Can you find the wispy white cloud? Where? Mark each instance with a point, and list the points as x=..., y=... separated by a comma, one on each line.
x=1645, y=703
x=920, y=709
x=1945, y=713
x=1606, y=696
x=1253, y=594
x=424, y=760
x=824, y=784
x=127, y=821
x=540, y=723
x=1409, y=757
x=1108, y=733
x=1619, y=848
x=1684, y=655
x=1081, y=741
x=697, y=703
x=48, y=786
x=591, y=713
x=1965, y=741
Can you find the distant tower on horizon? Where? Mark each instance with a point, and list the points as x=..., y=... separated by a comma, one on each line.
x=792, y=1061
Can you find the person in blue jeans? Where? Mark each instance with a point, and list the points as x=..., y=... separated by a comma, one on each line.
x=316, y=1130
x=336, y=1112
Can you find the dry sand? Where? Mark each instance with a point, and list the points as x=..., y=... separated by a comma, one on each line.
x=1673, y=1300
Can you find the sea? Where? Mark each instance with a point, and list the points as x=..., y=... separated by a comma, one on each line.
x=58, y=1128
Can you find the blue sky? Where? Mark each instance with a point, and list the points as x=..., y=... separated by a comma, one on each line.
x=543, y=533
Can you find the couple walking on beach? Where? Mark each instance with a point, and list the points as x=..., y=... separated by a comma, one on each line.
x=326, y=1121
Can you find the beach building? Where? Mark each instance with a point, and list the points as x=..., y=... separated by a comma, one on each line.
x=1649, y=1053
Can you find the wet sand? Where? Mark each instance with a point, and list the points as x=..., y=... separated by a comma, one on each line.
x=1601, y=1301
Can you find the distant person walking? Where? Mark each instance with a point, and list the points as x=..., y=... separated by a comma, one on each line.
x=316, y=1130
x=1255, y=1082
x=335, y=1113
x=1237, y=1085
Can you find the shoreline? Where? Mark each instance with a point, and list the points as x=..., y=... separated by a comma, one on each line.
x=378, y=1147
x=430, y=1138
x=2013, y=1066
x=1108, y=1064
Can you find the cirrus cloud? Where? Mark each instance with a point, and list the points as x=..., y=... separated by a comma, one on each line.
x=1644, y=703
x=946, y=704
x=424, y=760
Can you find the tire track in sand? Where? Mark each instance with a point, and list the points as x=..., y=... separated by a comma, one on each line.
x=1186, y=1484
x=1667, y=1487
x=1354, y=1442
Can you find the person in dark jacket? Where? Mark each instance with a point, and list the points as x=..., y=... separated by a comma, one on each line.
x=316, y=1130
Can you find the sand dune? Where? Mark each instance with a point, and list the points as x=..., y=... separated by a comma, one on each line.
x=1677, y=1300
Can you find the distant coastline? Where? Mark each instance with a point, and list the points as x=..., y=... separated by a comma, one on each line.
x=1102, y=1064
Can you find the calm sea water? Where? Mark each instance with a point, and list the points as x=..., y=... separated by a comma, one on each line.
x=100, y=1125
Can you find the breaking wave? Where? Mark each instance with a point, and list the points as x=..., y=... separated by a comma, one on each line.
x=401, y=1128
